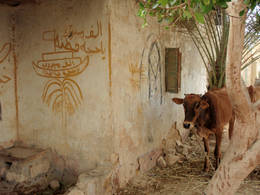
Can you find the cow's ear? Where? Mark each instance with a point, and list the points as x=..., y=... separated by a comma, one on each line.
x=203, y=104
x=177, y=100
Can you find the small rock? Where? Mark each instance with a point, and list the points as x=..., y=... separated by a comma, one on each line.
x=75, y=191
x=193, y=137
x=172, y=159
x=2, y=171
x=69, y=177
x=114, y=158
x=180, y=161
x=178, y=142
x=179, y=149
x=161, y=162
x=55, y=184
x=185, y=151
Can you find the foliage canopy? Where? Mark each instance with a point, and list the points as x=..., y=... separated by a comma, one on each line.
x=207, y=23
x=169, y=10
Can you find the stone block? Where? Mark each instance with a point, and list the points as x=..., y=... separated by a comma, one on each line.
x=93, y=182
x=75, y=191
x=40, y=168
x=161, y=162
x=54, y=184
x=148, y=160
x=25, y=163
x=14, y=177
x=172, y=159
x=25, y=168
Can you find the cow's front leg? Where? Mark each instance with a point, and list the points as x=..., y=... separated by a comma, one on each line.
x=217, y=151
x=206, y=146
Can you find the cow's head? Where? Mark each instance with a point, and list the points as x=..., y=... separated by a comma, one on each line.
x=194, y=107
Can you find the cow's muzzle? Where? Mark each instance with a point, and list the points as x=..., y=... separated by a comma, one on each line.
x=188, y=125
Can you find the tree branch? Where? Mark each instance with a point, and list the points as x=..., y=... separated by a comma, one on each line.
x=256, y=105
x=241, y=105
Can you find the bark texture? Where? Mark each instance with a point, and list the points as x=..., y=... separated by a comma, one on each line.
x=243, y=153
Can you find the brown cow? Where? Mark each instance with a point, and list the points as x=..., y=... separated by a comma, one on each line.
x=209, y=114
x=254, y=93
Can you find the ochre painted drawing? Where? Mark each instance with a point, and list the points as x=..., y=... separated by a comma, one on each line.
x=136, y=71
x=69, y=57
x=5, y=50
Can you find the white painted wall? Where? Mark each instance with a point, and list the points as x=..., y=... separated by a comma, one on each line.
x=85, y=136
x=122, y=110
x=143, y=112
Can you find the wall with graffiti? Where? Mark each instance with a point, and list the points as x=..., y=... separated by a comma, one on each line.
x=63, y=79
x=8, y=122
x=144, y=112
x=88, y=81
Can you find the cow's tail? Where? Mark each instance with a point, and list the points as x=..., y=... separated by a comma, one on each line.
x=231, y=125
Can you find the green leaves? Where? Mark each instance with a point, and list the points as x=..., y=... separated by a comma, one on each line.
x=163, y=2
x=206, y=9
x=222, y=3
x=187, y=14
x=142, y=11
x=241, y=13
x=141, y=5
x=170, y=10
x=251, y=4
x=155, y=6
x=199, y=17
x=206, y=2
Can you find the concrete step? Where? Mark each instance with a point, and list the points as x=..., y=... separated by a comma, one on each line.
x=98, y=181
x=25, y=168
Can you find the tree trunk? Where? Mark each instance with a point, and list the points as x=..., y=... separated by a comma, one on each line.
x=243, y=153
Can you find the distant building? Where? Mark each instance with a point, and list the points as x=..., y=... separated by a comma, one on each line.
x=251, y=74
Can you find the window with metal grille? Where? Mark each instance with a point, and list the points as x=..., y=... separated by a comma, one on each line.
x=172, y=69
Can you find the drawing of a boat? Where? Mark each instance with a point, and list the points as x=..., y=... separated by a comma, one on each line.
x=60, y=65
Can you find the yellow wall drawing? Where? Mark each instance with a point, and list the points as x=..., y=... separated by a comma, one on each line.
x=5, y=51
x=69, y=58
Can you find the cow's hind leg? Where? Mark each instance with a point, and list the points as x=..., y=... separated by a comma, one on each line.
x=206, y=146
x=217, y=151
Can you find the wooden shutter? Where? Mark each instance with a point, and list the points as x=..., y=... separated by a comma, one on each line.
x=172, y=69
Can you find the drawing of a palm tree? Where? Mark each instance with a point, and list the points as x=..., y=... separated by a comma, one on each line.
x=61, y=93
x=64, y=96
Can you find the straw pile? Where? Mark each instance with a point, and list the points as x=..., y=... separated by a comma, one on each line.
x=186, y=176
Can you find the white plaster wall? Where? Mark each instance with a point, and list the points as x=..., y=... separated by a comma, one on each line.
x=193, y=72
x=143, y=112
x=123, y=109
x=8, y=128
x=85, y=136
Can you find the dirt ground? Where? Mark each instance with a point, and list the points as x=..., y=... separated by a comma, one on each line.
x=186, y=176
